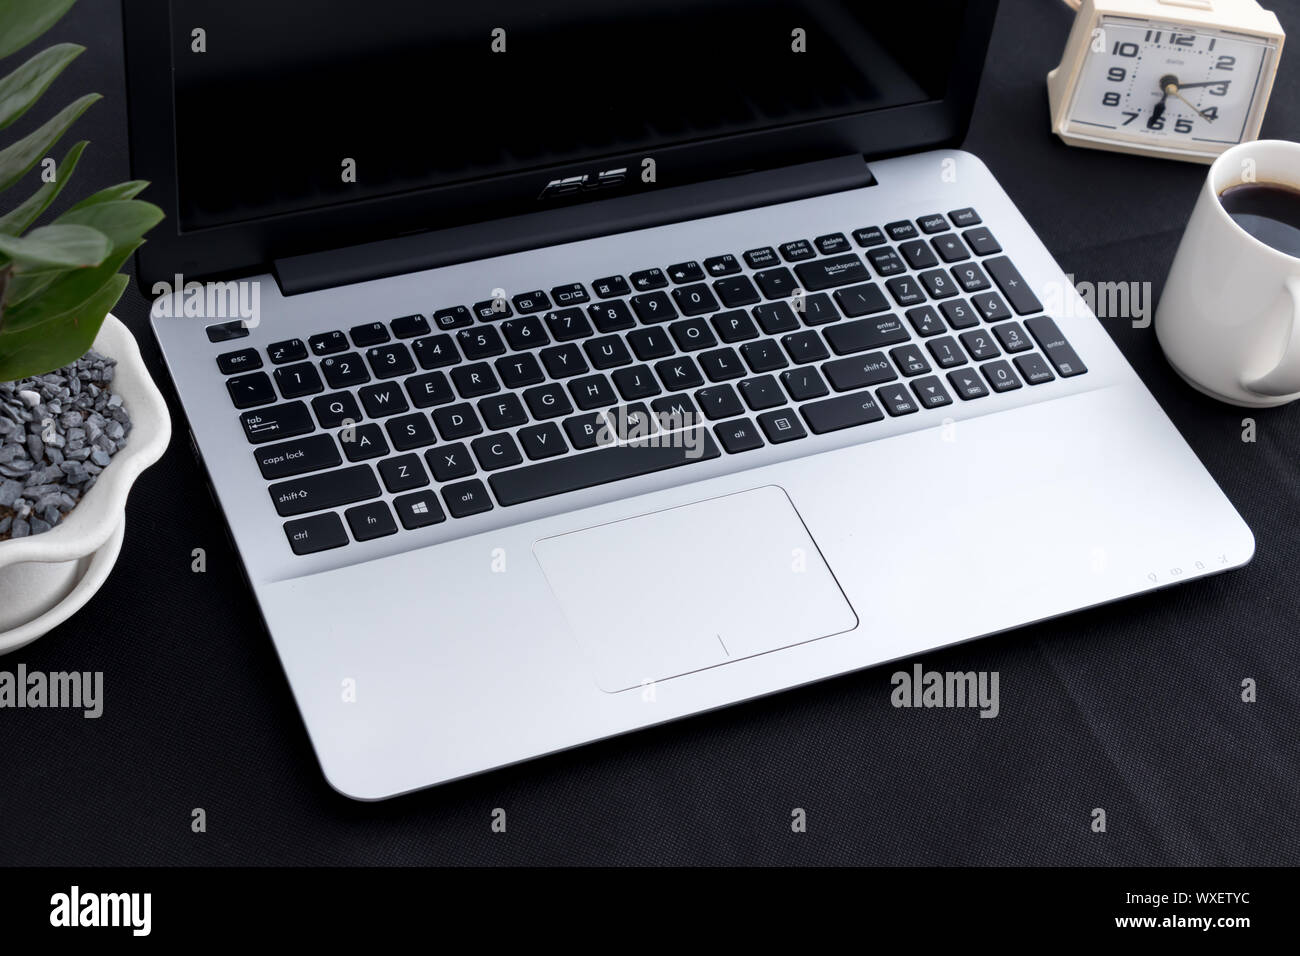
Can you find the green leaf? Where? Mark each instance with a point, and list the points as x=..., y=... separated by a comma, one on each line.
x=122, y=220
x=15, y=222
x=15, y=160
x=61, y=339
x=58, y=291
x=127, y=190
x=25, y=85
x=22, y=21
x=68, y=246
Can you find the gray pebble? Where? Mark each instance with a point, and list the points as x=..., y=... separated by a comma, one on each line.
x=19, y=529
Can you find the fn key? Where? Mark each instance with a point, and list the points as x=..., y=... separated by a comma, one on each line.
x=317, y=533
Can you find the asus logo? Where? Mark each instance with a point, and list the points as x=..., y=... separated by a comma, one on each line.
x=572, y=184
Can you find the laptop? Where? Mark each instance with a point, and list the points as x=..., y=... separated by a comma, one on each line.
x=566, y=369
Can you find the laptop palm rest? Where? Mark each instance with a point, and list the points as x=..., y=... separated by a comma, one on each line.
x=681, y=590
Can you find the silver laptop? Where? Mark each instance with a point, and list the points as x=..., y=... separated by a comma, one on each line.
x=565, y=370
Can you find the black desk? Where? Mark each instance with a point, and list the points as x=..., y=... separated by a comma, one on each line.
x=1135, y=707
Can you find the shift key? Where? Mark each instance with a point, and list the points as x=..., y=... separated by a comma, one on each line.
x=326, y=490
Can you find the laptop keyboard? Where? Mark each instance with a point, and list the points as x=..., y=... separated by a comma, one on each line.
x=424, y=419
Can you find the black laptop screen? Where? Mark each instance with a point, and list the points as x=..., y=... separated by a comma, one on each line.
x=283, y=106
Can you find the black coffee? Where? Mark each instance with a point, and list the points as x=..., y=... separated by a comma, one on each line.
x=1268, y=212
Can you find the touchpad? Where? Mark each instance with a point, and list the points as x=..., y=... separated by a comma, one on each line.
x=680, y=590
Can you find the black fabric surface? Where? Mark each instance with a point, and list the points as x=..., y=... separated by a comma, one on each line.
x=1135, y=707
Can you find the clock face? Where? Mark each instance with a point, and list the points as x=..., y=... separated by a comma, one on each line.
x=1169, y=85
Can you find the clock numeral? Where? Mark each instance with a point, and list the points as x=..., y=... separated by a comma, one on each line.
x=1183, y=125
x=1110, y=99
x=1153, y=36
x=1210, y=113
x=1219, y=89
x=1156, y=123
x=1182, y=39
x=1116, y=74
x=1226, y=62
x=1131, y=117
x=1125, y=49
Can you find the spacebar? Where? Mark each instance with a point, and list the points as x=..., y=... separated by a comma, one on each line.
x=558, y=475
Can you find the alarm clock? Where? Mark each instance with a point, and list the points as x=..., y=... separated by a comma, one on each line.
x=1181, y=79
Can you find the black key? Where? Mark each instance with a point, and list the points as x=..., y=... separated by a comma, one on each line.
x=382, y=400
x=611, y=286
x=762, y=392
x=329, y=489
x=695, y=299
x=650, y=343
x=568, y=324
x=898, y=231
x=587, y=430
x=252, y=389
x=225, y=331
x=534, y=301
x=739, y=435
x=735, y=326
x=1012, y=337
x=991, y=307
x=471, y=381
x=317, y=533
x=290, y=350
x=959, y=314
x=370, y=521
x=480, y=343
x=592, y=391
x=1034, y=369
x=806, y=346
x=1058, y=351
x=372, y=333
x=938, y=283
x=967, y=384
x=982, y=241
x=846, y=411
x=502, y=411
x=653, y=307
x=905, y=290
x=299, y=456
x=364, y=442
x=832, y=245
x=679, y=372
x=611, y=316
x=950, y=248
x=298, y=380
x=279, y=421
x=776, y=317
x=327, y=343
x=418, y=510
x=776, y=283
x=1000, y=376
x=925, y=320
x=861, y=300
x=675, y=411
x=333, y=410
x=946, y=353
x=979, y=343
x=886, y=262
x=527, y=332
x=797, y=251
x=492, y=310
x=859, y=372
x=832, y=273
x=449, y=462
x=455, y=317
x=561, y=361
x=869, y=236
x=723, y=265
x=686, y=272
x=763, y=356
x=1013, y=285
x=964, y=217
x=245, y=360
x=344, y=371
x=897, y=400
x=636, y=382
x=693, y=334
x=804, y=383
x=932, y=224
x=466, y=498
x=410, y=326
x=429, y=389
x=457, y=421
x=761, y=258
x=970, y=277
x=849, y=337
x=409, y=431
x=575, y=293
x=541, y=441
x=607, y=352
x=918, y=254
x=781, y=425
x=496, y=451
x=931, y=392
x=817, y=309
x=389, y=361
x=403, y=473
x=648, y=279
x=573, y=472
x=435, y=351
x=909, y=359
x=719, y=401
x=516, y=371
x=548, y=401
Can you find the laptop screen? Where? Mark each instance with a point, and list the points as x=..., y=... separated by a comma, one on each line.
x=283, y=107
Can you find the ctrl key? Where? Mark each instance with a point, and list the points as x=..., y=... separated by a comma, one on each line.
x=316, y=533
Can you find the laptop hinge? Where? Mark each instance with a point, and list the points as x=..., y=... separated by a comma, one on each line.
x=481, y=240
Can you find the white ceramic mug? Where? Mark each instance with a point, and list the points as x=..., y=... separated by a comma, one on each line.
x=1229, y=317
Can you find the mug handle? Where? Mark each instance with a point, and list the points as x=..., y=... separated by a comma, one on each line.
x=1285, y=378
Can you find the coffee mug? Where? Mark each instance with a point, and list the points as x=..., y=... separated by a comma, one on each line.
x=1229, y=317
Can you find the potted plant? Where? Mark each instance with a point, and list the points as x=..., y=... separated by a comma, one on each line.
x=80, y=417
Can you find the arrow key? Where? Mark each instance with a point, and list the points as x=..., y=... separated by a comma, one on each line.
x=967, y=384
x=931, y=392
x=896, y=400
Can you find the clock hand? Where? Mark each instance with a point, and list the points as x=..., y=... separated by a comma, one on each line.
x=1198, y=112
x=1171, y=87
x=1192, y=86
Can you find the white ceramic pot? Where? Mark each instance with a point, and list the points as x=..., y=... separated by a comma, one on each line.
x=46, y=578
